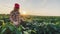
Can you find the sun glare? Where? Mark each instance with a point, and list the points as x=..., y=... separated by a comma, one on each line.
x=23, y=12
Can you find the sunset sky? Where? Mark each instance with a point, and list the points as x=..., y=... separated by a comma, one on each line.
x=32, y=7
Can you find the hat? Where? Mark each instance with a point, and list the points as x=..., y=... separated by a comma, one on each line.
x=16, y=5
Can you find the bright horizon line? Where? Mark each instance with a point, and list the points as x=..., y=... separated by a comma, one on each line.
x=34, y=15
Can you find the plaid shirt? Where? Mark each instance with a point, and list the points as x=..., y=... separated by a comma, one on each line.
x=15, y=16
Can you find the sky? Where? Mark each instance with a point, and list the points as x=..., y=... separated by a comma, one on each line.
x=32, y=7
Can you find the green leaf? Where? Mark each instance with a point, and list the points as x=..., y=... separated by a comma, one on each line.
x=12, y=28
x=17, y=31
x=3, y=30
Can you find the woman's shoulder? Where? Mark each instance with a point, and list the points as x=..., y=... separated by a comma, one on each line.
x=12, y=12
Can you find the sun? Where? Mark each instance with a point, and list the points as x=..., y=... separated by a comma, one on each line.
x=23, y=12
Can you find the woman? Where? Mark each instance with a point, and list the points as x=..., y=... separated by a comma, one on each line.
x=15, y=16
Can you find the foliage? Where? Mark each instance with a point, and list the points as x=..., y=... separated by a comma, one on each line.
x=33, y=25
